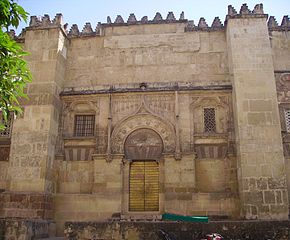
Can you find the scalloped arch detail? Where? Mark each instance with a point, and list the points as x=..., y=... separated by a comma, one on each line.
x=139, y=121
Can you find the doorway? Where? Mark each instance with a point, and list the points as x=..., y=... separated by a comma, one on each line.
x=144, y=186
x=143, y=149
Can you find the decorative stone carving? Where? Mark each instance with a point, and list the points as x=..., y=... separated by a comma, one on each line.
x=143, y=144
x=74, y=31
x=203, y=139
x=144, y=19
x=58, y=19
x=46, y=20
x=272, y=23
x=170, y=17
x=190, y=26
x=123, y=106
x=258, y=9
x=285, y=22
x=140, y=121
x=119, y=19
x=161, y=105
x=87, y=30
x=244, y=9
x=217, y=23
x=98, y=28
x=181, y=16
x=157, y=17
x=109, y=21
x=132, y=18
x=231, y=11
x=79, y=106
x=202, y=23
x=34, y=21
x=283, y=87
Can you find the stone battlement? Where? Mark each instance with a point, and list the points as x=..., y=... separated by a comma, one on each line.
x=46, y=22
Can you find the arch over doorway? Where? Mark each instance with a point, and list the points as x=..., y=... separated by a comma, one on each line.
x=143, y=144
x=124, y=128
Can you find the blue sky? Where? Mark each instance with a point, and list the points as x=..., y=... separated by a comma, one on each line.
x=80, y=12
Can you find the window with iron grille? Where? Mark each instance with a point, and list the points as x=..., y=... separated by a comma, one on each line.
x=84, y=125
x=8, y=126
x=209, y=120
x=287, y=120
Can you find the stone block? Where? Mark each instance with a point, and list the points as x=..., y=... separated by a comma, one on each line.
x=184, y=196
x=262, y=183
x=254, y=197
x=256, y=118
x=260, y=105
x=269, y=197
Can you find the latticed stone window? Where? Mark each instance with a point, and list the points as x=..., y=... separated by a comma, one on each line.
x=8, y=126
x=209, y=120
x=287, y=120
x=84, y=125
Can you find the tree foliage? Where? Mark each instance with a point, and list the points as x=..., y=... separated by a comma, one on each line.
x=14, y=72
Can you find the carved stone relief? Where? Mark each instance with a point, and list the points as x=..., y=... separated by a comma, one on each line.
x=283, y=95
x=283, y=87
x=208, y=145
x=72, y=106
x=143, y=120
x=123, y=106
x=143, y=144
x=161, y=105
x=77, y=106
x=219, y=103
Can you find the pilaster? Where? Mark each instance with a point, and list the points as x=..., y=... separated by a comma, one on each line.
x=261, y=167
x=34, y=135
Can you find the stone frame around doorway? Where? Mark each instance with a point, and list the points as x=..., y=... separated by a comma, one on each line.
x=152, y=148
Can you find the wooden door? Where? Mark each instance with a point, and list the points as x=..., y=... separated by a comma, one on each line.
x=144, y=186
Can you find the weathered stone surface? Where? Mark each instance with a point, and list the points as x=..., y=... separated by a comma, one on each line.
x=26, y=229
x=252, y=230
x=160, y=76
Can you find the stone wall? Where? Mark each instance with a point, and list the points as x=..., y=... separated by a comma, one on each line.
x=234, y=230
x=280, y=45
x=26, y=206
x=149, y=53
x=25, y=229
x=261, y=165
x=283, y=92
x=159, y=75
x=3, y=175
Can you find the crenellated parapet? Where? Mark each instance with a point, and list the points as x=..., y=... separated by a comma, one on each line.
x=202, y=25
x=258, y=12
x=274, y=26
x=245, y=12
x=45, y=22
x=119, y=21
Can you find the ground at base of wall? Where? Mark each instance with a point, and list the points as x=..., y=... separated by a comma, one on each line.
x=230, y=230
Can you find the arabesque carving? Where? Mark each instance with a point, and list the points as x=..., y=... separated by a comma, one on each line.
x=220, y=103
x=139, y=121
x=161, y=105
x=143, y=144
x=78, y=106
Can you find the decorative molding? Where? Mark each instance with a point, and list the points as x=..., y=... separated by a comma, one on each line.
x=143, y=119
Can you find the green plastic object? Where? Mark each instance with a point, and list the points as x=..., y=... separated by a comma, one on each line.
x=181, y=218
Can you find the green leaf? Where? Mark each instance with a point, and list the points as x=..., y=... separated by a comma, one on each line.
x=14, y=72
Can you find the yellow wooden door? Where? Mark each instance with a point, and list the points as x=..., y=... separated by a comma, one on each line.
x=144, y=186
